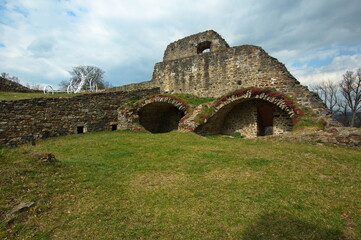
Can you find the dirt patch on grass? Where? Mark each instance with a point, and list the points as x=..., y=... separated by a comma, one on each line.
x=157, y=180
x=226, y=175
x=349, y=229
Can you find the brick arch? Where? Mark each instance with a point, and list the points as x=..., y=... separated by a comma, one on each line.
x=265, y=94
x=159, y=114
x=178, y=103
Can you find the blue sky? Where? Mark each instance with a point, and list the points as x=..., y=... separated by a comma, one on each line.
x=41, y=40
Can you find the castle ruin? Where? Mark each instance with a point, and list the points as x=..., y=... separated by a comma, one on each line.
x=206, y=66
x=256, y=96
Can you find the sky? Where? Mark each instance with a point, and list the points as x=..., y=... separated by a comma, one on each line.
x=42, y=40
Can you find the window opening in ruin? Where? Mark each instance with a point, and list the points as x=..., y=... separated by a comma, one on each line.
x=114, y=127
x=79, y=129
x=204, y=47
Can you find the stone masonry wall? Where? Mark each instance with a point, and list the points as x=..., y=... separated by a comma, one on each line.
x=242, y=119
x=186, y=69
x=218, y=73
x=24, y=120
x=281, y=122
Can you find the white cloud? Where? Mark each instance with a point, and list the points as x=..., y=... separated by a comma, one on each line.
x=44, y=39
x=334, y=71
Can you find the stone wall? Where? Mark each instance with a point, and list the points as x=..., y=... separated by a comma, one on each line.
x=344, y=136
x=242, y=119
x=10, y=86
x=24, y=120
x=217, y=73
x=281, y=122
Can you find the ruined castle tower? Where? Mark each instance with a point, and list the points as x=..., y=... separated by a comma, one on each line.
x=205, y=65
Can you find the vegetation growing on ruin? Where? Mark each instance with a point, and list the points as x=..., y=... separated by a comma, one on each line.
x=193, y=100
x=205, y=114
x=187, y=99
x=12, y=96
x=309, y=120
x=258, y=91
x=125, y=185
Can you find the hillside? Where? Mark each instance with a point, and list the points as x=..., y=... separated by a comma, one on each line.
x=124, y=185
x=10, y=86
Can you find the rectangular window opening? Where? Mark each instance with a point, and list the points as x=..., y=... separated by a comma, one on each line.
x=80, y=129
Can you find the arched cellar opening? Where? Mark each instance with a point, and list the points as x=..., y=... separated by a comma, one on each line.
x=249, y=117
x=160, y=117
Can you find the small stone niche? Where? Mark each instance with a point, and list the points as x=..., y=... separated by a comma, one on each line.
x=80, y=129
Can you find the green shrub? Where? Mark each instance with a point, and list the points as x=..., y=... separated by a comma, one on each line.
x=237, y=135
x=309, y=123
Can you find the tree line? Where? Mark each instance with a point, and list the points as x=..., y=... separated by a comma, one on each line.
x=343, y=98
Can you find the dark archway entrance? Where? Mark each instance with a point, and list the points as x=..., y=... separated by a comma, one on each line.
x=160, y=117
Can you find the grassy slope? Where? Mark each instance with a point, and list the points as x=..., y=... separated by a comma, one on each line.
x=123, y=185
x=11, y=96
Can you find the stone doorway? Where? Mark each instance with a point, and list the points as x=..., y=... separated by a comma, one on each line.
x=160, y=117
x=264, y=118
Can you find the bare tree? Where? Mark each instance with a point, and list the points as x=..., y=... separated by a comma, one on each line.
x=351, y=91
x=5, y=75
x=343, y=112
x=328, y=92
x=84, y=78
x=9, y=77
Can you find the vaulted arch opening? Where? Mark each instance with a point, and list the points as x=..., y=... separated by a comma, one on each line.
x=249, y=117
x=160, y=117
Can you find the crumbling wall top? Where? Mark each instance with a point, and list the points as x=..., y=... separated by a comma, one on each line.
x=208, y=41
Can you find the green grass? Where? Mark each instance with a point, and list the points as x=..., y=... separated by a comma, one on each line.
x=124, y=185
x=193, y=100
x=309, y=120
x=11, y=96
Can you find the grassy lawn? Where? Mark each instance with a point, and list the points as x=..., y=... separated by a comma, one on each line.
x=11, y=96
x=124, y=185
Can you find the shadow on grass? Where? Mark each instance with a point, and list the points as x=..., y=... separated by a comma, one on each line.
x=281, y=226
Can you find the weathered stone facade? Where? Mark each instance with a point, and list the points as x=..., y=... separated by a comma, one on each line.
x=25, y=120
x=204, y=65
x=257, y=96
x=187, y=69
